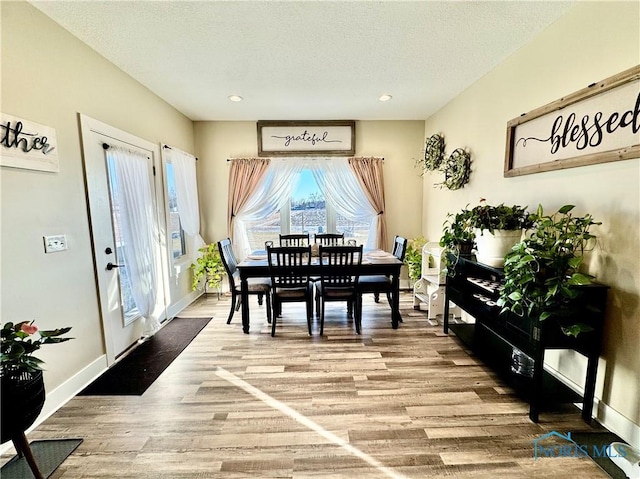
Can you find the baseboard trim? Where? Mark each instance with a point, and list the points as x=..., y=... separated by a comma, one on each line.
x=617, y=423
x=59, y=396
x=175, y=308
x=605, y=414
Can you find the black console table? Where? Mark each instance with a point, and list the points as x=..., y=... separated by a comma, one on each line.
x=514, y=346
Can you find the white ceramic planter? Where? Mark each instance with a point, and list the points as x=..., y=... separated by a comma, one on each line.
x=492, y=248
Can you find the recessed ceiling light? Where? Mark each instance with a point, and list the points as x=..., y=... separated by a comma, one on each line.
x=385, y=97
x=235, y=98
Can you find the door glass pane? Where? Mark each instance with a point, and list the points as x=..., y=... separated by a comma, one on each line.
x=308, y=207
x=128, y=304
x=175, y=229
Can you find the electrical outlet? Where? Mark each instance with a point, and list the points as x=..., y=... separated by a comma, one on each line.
x=53, y=244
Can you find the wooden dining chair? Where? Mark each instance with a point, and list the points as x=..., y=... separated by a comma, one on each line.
x=377, y=284
x=329, y=239
x=288, y=283
x=257, y=286
x=339, y=283
x=295, y=240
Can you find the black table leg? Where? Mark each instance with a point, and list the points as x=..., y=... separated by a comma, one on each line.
x=244, y=287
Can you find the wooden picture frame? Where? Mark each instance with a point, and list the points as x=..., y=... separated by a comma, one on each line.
x=597, y=124
x=306, y=138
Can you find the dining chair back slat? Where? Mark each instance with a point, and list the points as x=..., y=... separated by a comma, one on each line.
x=294, y=240
x=329, y=239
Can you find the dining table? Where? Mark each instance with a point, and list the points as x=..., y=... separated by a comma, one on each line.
x=374, y=262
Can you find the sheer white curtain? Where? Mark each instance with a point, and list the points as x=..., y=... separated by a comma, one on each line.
x=342, y=189
x=271, y=194
x=184, y=167
x=136, y=211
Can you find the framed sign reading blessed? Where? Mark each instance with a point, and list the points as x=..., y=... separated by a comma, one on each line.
x=597, y=124
x=305, y=138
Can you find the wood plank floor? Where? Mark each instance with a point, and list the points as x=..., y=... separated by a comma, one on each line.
x=405, y=403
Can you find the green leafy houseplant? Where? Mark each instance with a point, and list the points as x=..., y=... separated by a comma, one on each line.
x=542, y=270
x=457, y=237
x=485, y=217
x=413, y=257
x=19, y=343
x=208, y=266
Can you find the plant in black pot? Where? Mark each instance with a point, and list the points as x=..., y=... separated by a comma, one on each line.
x=542, y=271
x=21, y=375
x=458, y=237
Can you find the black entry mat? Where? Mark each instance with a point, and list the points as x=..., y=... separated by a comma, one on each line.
x=595, y=444
x=49, y=454
x=132, y=375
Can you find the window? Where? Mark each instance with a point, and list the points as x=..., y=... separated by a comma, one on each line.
x=176, y=241
x=307, y=211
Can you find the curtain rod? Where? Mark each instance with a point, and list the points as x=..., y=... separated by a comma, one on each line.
x=106, y=146
x=169, y=148
x=311, y=159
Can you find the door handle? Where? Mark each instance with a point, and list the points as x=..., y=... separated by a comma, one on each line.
x=110, y=266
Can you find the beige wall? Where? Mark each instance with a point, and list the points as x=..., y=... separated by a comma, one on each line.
x=399, y=142
x=48, y=77
x=594, y=41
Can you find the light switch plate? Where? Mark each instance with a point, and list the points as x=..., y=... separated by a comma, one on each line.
x=53, y=244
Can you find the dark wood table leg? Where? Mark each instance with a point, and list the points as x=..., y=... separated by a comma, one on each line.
x=244, y=286
x=21, y=444
x=396, y=318
x=445, y=314
x=536, y=389
x=589, y=388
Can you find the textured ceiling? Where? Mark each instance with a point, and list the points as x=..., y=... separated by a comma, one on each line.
x=308, y=60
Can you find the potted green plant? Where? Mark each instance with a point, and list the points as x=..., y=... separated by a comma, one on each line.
x=413, y=257
x=541, y=271
x=209, y=267
x=497, y=229
x=22, y=384
x=458, y=237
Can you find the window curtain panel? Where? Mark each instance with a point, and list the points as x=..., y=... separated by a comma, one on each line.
x=368, y=171
x=184, y=167
x=269, y=195
x=138, y=229
x=343, y=190
x=244, y=176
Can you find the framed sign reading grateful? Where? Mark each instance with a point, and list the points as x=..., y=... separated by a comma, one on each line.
x=305, y=138
x=597, y=124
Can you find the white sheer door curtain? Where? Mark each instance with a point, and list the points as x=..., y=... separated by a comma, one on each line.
x=184, y=167
x=135, y=198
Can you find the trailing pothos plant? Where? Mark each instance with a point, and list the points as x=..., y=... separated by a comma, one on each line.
x=208, y=266
x=457, y=237
x=413, y=257
x=541, y=271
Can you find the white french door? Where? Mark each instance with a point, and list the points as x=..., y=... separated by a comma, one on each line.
x=122, y=323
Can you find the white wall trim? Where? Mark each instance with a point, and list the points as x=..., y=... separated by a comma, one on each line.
x=175, y=308
x=617, y=423
x=603, y=413
x=58, y=397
